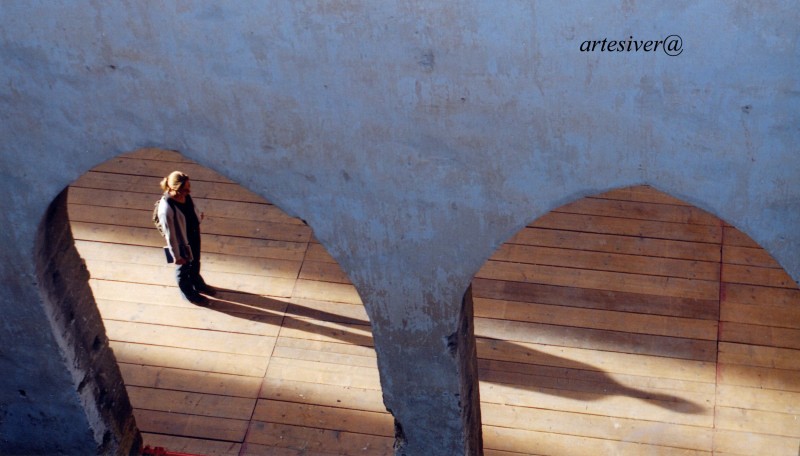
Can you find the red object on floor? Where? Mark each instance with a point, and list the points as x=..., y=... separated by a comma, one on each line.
x=160, y=451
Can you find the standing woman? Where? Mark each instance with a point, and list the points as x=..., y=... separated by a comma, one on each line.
x=181, y=223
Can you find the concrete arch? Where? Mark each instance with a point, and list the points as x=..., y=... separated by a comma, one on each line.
x=754, y=221
x=402, y=133
x=77, y=327
x=119, y=194
x=586, y=301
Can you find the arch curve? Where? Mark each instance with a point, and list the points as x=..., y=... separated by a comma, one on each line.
x=78, y=328
x=632, y=319
x=196, y=377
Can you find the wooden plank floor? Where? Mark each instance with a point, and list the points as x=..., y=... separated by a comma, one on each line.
x=627, y=323
x=281, y=362
x=633, y=323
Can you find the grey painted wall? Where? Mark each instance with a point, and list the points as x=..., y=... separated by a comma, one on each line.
x=413, y=136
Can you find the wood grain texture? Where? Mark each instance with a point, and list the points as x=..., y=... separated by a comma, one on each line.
x=623, y=323
x=589, y=316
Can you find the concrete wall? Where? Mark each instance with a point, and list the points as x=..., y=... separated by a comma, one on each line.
x=413, y=136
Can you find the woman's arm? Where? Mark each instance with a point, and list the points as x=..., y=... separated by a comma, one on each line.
x=166, y=215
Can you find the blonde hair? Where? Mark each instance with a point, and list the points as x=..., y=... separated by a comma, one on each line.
x=174, y=181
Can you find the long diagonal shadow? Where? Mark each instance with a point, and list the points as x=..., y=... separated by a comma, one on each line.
x=548, y=375
x=262, y=309
x=555, y=375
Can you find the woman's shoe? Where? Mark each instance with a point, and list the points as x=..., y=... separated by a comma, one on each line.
x=197, y=299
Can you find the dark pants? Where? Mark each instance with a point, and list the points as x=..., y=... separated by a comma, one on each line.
x=188, y=275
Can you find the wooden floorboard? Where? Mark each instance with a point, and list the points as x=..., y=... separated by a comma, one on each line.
x=192, y=446
x=175, y=379
x=596, y=318
x=267, y=438
x=191, y=403
x=577, y=330
x=616, y=243
x=623, y=323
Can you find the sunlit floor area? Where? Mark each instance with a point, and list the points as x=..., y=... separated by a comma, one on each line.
x=625, y=323
x=280, y=362
x=631, y=323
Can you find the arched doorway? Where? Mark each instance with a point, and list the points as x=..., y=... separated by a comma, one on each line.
x=633, y=323
x=281, y=359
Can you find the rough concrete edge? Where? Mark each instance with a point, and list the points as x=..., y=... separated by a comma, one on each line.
x=78, y=329
x=461, y=346
x=469, y=377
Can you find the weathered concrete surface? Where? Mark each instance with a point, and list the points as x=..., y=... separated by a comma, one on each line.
x=414, y=139
x=79, y=332
x=61, y=392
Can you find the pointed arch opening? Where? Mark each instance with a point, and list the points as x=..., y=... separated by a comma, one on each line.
x=631, y=322
x=280, y=359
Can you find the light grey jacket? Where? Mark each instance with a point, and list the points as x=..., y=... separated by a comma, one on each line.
x=174, y=224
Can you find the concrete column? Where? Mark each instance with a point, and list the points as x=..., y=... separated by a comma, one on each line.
x=430, y=385
x=71, y=398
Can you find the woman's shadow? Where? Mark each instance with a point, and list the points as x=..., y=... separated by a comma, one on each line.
x=289, y=314
x=547, y=374
x=554, y=375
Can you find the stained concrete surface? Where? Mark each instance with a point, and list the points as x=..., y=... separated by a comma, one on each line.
x=414, y=138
